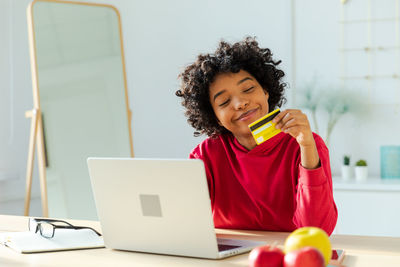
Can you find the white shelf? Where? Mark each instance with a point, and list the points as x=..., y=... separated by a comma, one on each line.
x=371, y=184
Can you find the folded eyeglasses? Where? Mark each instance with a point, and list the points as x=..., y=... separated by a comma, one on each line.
x=47, y=227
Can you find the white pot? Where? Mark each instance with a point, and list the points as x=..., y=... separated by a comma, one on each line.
x=346, y=172
x=361, y=173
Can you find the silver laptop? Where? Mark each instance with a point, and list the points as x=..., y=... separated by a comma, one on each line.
x=158, y=206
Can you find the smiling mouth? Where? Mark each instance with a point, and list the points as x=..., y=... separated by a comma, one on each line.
x=247, y=114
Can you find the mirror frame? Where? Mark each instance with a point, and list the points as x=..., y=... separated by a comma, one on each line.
x=36, y=138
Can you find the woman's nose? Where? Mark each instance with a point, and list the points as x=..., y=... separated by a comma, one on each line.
x=240, y=103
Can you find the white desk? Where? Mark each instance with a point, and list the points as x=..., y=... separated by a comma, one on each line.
x=361, y=251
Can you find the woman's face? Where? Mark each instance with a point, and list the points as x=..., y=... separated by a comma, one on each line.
x=238, y=100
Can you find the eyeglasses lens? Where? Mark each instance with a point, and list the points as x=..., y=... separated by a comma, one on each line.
x=32, y=225
x=46, y=229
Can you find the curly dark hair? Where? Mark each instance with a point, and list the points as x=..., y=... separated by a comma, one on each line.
x=197, y=77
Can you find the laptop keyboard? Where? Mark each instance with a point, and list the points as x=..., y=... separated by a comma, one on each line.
x=222, y=247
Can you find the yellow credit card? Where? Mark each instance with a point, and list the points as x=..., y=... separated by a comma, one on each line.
x=263, y=128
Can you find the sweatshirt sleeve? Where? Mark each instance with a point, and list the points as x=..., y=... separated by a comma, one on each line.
x=314, y=197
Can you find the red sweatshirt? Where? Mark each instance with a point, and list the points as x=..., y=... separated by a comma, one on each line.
x=266, y=188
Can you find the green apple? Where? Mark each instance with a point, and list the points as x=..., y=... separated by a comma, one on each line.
x=309, y=237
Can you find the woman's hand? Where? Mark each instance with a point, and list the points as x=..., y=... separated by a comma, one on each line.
x=295, y=123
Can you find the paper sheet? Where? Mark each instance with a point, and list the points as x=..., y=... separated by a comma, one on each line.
x=64, y=239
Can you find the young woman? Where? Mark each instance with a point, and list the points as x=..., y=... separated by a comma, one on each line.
x=280, y=185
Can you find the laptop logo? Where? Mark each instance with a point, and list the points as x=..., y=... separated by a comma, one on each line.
x=151, y=205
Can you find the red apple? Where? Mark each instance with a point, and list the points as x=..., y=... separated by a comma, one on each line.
x=266, y=256
x=304, y=257
x=309, y=237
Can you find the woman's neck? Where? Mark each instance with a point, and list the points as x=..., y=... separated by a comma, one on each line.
x=247, y=141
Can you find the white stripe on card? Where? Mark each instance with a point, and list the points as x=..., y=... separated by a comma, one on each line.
x=259, y=130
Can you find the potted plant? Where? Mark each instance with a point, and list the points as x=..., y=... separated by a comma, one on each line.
x=346, y=169
x=361, y=170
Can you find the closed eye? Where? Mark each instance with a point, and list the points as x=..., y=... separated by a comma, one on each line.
x=248, y=90
x=224, y=103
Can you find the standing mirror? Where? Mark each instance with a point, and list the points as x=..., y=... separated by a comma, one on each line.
x=80, y=101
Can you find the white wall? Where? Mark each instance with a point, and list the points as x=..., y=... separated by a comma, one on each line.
x=317, y=55
x=160, y=38
x=15, y=99
x=174, y=33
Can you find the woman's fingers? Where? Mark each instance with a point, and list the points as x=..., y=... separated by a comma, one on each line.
x=290, y=118
x=295, y=123
x=285, y=113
